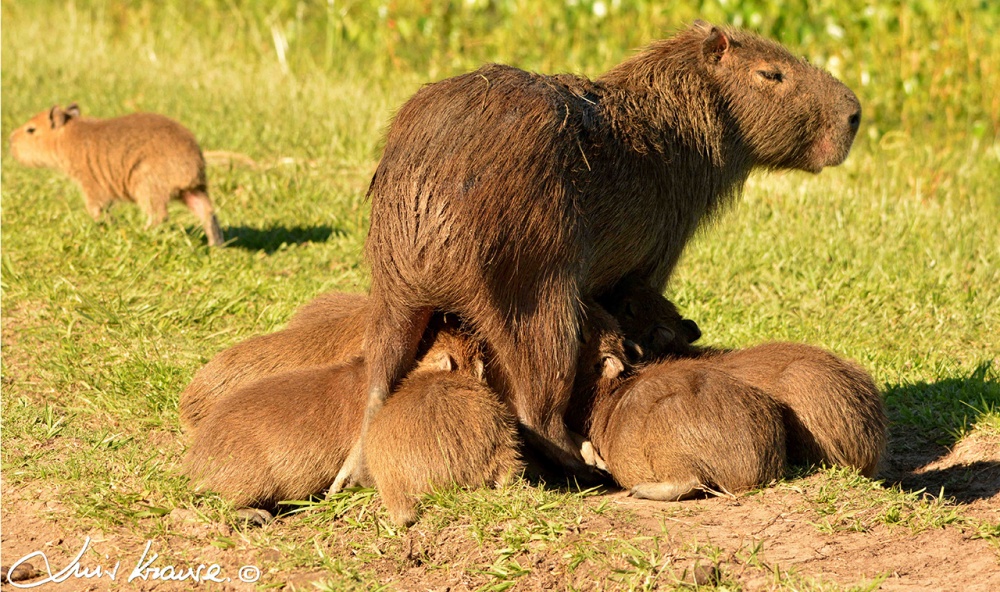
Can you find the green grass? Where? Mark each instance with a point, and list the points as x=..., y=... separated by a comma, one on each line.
x=892, y=259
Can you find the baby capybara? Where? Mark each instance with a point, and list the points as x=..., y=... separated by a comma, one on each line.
x=439, y=429
x=679, y=427
x=285, y=436
x=834, y=413
x=509, y=197
x=326, y=331
x=144, y=158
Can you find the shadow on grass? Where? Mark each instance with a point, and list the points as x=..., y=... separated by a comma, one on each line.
x=928, y=420
x=272, y=239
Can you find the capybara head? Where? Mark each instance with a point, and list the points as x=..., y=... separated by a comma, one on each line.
x=448, y=347
x=650, y=321
x=36, y=142
x=789, y=113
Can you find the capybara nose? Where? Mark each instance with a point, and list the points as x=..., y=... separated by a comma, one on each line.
x=854, y=120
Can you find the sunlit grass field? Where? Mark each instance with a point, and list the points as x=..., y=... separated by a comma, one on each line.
x=892, y=259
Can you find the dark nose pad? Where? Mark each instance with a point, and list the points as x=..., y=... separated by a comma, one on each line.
x=854, y=121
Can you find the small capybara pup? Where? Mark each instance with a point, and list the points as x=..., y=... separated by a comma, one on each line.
x=285, y=436
x=439, y=429
x=326, y=331
x=679, y=427
x=143, y=158
x=834, y=413
x=509, y=197
x=650, y=321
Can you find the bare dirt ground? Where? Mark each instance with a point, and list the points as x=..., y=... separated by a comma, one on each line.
x=778, y=538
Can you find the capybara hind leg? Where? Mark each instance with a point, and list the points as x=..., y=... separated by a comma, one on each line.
x=667, y=491
x=391, y=342
x=197, y=201
x=542, y=349
x=402, y=508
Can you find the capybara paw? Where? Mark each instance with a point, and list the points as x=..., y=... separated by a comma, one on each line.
x=254, y=517
x=591, y=457
x=666, y=491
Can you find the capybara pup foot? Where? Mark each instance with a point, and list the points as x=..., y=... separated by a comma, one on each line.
x=667, y=491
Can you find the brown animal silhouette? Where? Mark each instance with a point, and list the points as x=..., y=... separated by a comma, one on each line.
x=834, y=413
x=509, y=197
x=678, y=427
x=285, y=436
x=326, y=331
x=143, y=158
x=439, y=429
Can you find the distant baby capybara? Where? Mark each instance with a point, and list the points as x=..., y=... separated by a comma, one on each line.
x=508, y=198
x=144, y=158
x=285, y=436
x=834, y=413
x=326, y=331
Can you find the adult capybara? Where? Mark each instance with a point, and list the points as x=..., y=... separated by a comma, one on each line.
x=143, y=158
x=508, y=197
x=285, y=436
x=678, y=427
x=326, y=331
x=834, y=413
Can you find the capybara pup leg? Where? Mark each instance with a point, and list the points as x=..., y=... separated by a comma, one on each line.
x=197, y=201
x=152, y=196
x=390, y=347
x=667, y=491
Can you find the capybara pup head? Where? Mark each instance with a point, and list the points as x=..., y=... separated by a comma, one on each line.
x=36, y=142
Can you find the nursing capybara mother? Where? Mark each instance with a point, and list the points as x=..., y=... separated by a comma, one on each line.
x=508, y=197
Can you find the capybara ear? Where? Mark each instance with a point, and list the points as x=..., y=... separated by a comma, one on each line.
x=442, y=361
x=58, y=117
x=715, y=45
x=73, y=110
x=611, y=367
x=692, y=332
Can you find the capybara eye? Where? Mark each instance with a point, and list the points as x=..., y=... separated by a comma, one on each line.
x=772, y=75
x=30, y=129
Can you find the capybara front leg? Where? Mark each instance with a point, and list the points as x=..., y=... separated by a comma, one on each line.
x=391, y=342
x=540, y=361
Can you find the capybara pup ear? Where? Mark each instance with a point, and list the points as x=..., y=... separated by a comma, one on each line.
x=73, y=110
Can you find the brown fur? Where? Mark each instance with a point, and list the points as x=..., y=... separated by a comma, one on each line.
x=327, y=331
x=508, y=197
x=681, y=426
x=834, y=413
x=143, y=158
x=285, y=436
x=439, y=429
